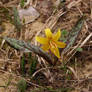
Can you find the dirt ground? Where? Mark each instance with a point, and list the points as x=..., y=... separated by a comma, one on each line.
x=76, y=76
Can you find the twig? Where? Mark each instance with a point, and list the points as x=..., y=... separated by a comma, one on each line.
x=11, y=4
x=87, y=38
x=73, y=3
x=39, y=71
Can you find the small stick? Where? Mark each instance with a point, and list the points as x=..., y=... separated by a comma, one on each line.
x=87, y=38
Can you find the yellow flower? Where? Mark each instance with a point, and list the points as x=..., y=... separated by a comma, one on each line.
x=51, y=42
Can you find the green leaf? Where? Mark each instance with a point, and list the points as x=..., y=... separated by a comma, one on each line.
x=79, y=49
x=64, y=32
x=17, y=22
x=27, y=47
x=33, y=65
x=22, y=3
x=22, y=64
x=22, y=85
x=74, y=34
x=17, y=44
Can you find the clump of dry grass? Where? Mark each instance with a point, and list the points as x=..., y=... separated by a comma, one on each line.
x=76, y=74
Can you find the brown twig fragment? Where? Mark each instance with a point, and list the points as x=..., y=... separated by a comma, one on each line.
x=87, y=38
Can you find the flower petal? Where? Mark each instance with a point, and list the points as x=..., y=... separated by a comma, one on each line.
x=45, y=47
x=42, y=40
x=57, y=35
x=55, y=51
x=60, y=44
x=48, y=33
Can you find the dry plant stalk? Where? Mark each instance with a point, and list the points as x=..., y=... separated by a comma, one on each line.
x=86, y=39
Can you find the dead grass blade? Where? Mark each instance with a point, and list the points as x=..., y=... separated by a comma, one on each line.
x=87, y=38
x=73, y=71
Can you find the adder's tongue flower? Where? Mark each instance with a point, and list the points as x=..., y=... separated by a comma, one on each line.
x=51, y=42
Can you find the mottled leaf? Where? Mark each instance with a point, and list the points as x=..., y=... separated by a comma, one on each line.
x=27, y=47
x=73, y=34
x=17, y=44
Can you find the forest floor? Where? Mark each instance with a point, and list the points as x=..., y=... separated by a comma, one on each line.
x=74, y=76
